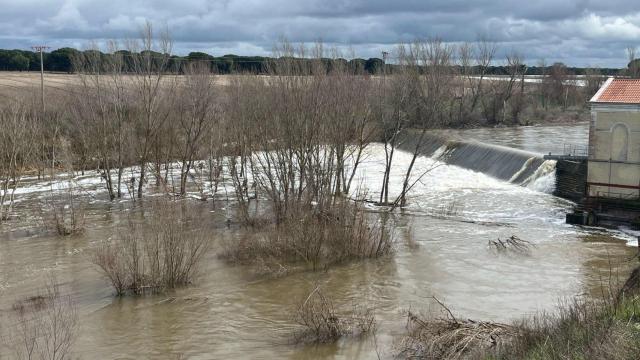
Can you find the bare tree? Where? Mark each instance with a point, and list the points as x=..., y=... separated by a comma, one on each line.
x=484, y=55
x=152, y=91
x=500, y=92
x=542, y=84
x=16, y=151
x=517, y=68
x=196, y=115
x=556, y=84
x=433, y=90
x=390, y=104
x=92, y=115
x=64, y=212
x=593, y=80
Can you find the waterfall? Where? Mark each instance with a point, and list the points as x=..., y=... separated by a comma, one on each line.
x=512, y=165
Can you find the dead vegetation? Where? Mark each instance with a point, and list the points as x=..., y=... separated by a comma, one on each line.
x=321, y=322
x=315, y=240
x=511, y=244
x=161, y=252
x=581, y=328
x=447, y=337
x=298, y=141
x=43, y=326
x=65, y=212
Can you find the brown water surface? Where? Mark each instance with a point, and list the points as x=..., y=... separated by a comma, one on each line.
x=231, y=312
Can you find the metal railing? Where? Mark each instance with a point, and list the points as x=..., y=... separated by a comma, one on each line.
x=576, y=150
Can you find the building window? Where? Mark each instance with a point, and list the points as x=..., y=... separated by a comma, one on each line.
x=619, y=142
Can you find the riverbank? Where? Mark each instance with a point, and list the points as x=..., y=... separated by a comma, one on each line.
x=581, y=328
x=552, y=116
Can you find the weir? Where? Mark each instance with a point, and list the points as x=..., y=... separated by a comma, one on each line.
x=512, y=165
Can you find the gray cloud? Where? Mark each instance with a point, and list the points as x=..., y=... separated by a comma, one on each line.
x=578, y=32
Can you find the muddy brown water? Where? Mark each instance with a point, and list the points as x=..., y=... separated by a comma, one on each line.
x=233, y=312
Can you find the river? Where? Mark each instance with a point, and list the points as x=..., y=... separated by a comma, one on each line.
x=231, y=312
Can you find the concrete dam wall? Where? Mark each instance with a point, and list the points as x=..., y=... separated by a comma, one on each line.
x=512, y=165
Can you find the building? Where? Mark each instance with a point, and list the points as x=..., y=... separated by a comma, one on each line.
x=614, y=142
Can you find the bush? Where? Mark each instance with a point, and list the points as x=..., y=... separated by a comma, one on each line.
x=320, y=322
x=65, y=212
x=346, y=232
x=161, y=253
x=45, y=325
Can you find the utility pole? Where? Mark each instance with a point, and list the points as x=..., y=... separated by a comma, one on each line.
x=41, y=48
x=384, y=63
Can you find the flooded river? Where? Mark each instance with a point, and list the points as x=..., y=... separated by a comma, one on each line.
x=230, y=312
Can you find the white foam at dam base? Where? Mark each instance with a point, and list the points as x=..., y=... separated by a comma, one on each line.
x=544, y=179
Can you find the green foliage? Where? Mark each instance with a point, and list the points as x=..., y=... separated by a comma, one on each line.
x=374, y=65
x=19, y=62
x=62, y=60
x=14, y=60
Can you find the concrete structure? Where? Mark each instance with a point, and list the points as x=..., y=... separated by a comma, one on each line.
x=614, y=141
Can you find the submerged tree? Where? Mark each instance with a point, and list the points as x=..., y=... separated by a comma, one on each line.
x=18, y=133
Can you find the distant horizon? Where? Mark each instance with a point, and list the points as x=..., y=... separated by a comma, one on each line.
x=497, y=62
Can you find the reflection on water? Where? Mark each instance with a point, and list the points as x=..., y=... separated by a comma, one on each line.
x=232, y=313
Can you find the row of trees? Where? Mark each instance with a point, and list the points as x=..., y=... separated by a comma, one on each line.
x=24, y=60
x=61, y=60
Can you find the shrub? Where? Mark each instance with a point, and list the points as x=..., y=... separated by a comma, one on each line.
x=45, y=325
x=161, y=253
x=65, y=212
x=317, y=239
x=320, y=321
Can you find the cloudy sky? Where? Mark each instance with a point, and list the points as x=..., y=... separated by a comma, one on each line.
x=577, y=32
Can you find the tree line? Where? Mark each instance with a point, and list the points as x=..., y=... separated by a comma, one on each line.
x=62, y=60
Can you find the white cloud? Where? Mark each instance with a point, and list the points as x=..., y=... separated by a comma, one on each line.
x=67, y=17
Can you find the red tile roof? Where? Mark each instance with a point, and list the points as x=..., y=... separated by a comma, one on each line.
x=619, y=91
